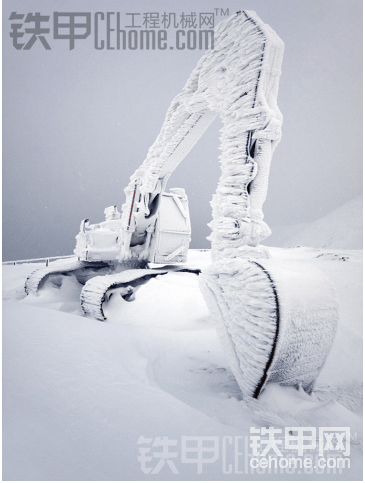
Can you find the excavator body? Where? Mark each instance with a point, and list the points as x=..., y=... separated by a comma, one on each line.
x=276, y=321
x=168, y=242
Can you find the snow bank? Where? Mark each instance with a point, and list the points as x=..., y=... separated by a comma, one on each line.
x=341, y=229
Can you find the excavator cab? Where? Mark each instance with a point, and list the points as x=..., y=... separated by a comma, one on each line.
x=102, y=241
x=162, y=237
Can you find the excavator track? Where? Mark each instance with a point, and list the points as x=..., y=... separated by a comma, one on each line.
x=38, y=277
x=83, y=270
x=94, y=292
x=99, y=277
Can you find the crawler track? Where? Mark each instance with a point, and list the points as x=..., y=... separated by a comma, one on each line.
x=38, y=277
x=99, y=277
x=94, y=292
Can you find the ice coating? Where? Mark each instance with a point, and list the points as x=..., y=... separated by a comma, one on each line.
x=276, y=321
x=244, y=308
x=238, y=80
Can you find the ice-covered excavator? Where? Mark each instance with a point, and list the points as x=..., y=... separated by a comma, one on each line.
x=276, y=321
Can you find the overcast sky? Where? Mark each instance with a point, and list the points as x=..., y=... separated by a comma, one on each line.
x=77, y=123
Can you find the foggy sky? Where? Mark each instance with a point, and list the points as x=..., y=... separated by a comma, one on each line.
x=76, y=124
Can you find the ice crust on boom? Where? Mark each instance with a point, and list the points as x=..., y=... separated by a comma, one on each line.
x=238, y=80
x=276, y=321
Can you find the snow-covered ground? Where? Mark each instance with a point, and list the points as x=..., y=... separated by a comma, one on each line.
x=78, y=393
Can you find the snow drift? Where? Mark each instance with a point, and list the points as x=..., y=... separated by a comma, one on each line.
x=341, y=229
x=78, y=393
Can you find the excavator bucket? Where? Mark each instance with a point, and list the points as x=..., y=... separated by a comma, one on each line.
x=276, y=320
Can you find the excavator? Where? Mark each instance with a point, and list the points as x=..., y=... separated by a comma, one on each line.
x=276, y=318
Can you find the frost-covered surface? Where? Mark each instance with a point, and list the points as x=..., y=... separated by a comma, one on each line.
x=276, y=317
x=79, y=393
x=239, y=80
x=342, y=228
x=243, y=306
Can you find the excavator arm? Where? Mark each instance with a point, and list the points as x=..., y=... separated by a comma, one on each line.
x=238, y=80
x=267, y=313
